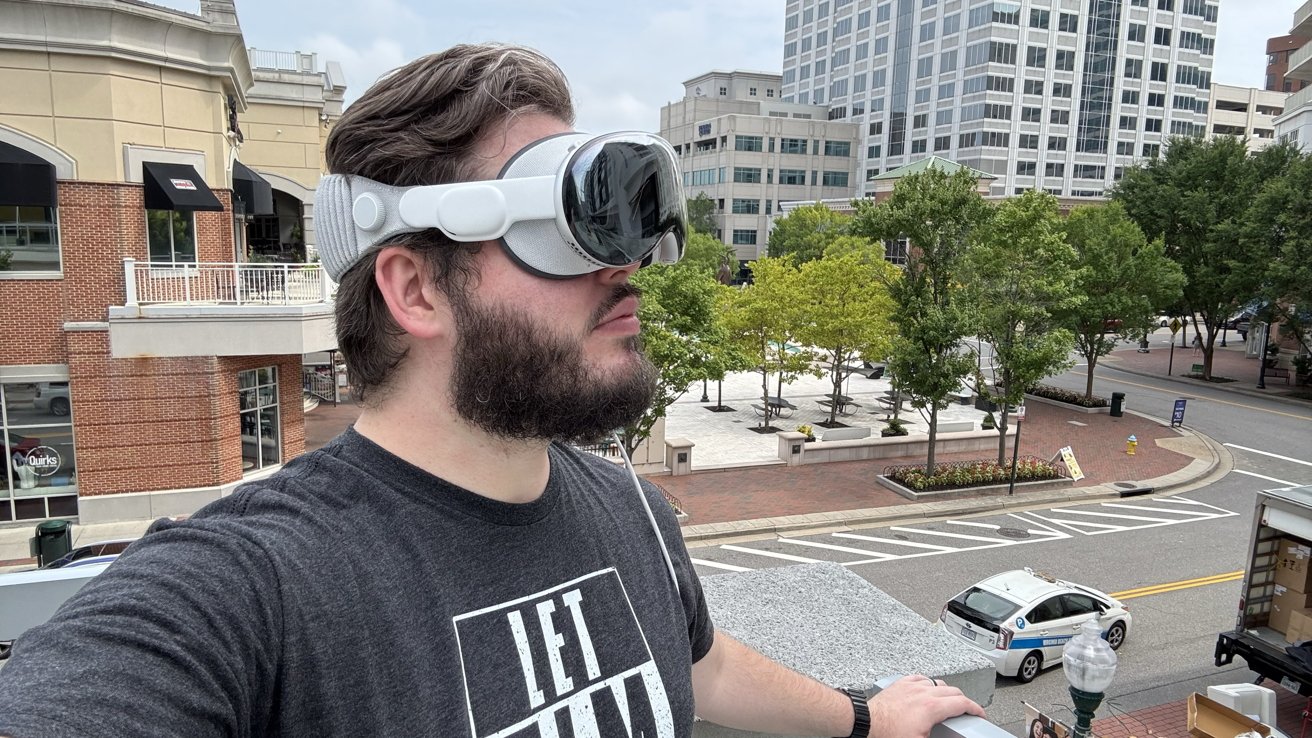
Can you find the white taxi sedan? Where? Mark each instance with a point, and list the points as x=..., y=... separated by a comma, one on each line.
x=1020, y=620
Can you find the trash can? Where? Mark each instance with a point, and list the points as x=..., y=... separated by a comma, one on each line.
x=54, y=538
x=1118, y=404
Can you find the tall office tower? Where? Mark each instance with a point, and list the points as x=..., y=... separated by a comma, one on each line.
x=1052, y=94
x=748, y=150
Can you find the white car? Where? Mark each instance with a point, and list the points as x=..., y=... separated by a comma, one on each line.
x=1020, y=620
x=52, y=397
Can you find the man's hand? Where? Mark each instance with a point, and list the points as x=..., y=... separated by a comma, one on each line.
x=912, y=706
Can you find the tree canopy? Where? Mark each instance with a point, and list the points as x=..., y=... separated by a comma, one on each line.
x=803, y=234
x=701, y=214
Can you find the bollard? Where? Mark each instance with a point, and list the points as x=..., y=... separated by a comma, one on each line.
x=1130, y=444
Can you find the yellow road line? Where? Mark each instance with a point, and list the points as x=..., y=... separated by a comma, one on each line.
x=1153, y=589
x=1209, y=399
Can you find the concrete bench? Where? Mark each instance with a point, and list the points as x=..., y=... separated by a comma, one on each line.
x=956, y=426
x=1276, y=371
x=844, y=434
x=962, y=396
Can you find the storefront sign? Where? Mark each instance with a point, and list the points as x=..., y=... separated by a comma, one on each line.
x=43, y=461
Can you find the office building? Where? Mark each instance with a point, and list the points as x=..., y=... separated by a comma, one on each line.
x=1039, y=93
x=152, y=354
x=746, y=148
x=1295, y=124
x=1245, y=112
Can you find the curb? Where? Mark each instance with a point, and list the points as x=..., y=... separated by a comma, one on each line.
x=1198, y=473
x=1226, y=387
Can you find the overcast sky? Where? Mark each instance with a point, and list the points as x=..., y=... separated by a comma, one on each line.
x=624, y=60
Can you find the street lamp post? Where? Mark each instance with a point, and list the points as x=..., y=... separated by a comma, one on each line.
x=1090, y=665
x=705, y=397
x=1261, y=357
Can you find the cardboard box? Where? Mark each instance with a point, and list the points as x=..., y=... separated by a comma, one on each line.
x=1300, y=625
x=1283, y=603
x=1294, y=565
x=1210, y=719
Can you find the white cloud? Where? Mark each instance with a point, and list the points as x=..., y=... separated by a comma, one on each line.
x=363, y=65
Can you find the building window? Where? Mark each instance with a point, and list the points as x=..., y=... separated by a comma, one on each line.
x=1028, y=141
x=792, y=176
x=1031, y=115
x=1129, y=123
x=1036, y=57
x=835, y=179
x=1134, y=68
x=1150, y=151
x=1068, y=22
x=942, y=143
x=1059, y=117
x=751, y=91
x=1162, y=36
x=261, y=443
x=920, y=120
x=918, y=146
x=1033, y=87
x=40, y=467
x=29, y=239
x=1064, y=61
x=744, y=237
x=838, y=148
x=747, y=143
x=1056, y=143
x=1160, y=72
x=1038, y=18
x=1061, y=89
x=1137, y=33
x=1130, y=97
x=895, y=251
x=1054, y=169
x=1152, y=125
x=171, y=235
x=1157, y=99
x=1026, y=168
x=792, y=146
x=747, y=175
x=746, y=207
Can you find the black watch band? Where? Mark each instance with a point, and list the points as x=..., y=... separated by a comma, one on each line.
x=861, y=725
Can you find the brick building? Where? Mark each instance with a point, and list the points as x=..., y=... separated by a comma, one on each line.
x=151, y=358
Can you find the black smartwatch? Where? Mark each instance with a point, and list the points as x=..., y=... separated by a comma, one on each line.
x=860, y=726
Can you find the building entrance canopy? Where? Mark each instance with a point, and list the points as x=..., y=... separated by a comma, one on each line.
x=177, y=187
x=25, y=178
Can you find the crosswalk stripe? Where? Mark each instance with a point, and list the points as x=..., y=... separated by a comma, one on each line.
x=1142, y=508
x=990, y=526
x=771, y=554
x=718, y=565
x=874, y=539
x=1089, y=524
x=832, y=547
x=1263, y=476
x=945, y=534
x=1121, y=516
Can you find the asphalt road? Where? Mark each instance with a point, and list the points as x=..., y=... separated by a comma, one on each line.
x=1192, y=534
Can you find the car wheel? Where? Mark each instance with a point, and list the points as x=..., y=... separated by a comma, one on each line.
x=1030, y=667
x=59, y=406
x=1116, y=635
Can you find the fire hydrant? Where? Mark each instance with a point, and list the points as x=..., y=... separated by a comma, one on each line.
x=1130, y=444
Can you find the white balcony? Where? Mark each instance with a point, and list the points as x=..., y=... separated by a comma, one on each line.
x=189, y=309
x=1302, y=20
x=1300, y=63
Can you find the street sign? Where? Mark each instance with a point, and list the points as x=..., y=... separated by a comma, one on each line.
x=1175, y=326
x=1020, y=413
x=1072, y=466
x=1177, y=415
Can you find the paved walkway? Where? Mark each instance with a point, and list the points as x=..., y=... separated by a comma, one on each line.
x=1169, y=720
x=1231, y=362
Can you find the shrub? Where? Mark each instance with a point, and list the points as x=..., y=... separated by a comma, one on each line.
x=1049, y=392
x=971, y=474
x=895, y=427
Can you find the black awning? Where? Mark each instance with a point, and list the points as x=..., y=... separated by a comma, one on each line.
x=176, y=187
x=25, y=178
x=254, y=190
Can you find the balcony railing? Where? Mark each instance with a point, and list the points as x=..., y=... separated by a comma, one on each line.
x=1299, y=66
x=1302, y=20
x=180, y=283
x=1298, y=100
x=283, y=61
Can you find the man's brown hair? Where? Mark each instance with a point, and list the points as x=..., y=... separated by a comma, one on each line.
x=419, y=125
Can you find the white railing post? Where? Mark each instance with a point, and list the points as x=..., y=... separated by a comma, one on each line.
x=130, y=282
x=323, y=288
x=236, y=282
x=186, y=282
x=286, y=274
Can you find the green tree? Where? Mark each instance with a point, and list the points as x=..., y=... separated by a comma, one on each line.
x=1020, y=276
x=706, y=253
x=681, y=334
x=761, y=320
x=1195, y=197
x=701, y=214
x=1278, y=225
x=940, y=215
x=803, y=234
x=845, y=309
x=1125, y=280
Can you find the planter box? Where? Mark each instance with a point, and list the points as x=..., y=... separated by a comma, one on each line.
x=883, y=448
x=981, y=491
x=1068, y=406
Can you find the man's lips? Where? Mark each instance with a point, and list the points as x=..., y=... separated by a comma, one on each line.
x=627, y=308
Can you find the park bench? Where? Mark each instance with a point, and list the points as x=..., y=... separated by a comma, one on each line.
x=844, y=434
x=1276, y=371
x=845, y=407
x=869, y=372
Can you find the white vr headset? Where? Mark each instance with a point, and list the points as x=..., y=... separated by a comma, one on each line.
x=563, y=206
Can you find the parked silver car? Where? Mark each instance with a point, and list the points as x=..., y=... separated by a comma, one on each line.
x=53, y=398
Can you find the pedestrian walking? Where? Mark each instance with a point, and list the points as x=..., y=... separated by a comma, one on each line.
x=1198, y=344
x=450, y=565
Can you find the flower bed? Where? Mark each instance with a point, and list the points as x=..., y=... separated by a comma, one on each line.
x=1058, y=394
x=963, y=474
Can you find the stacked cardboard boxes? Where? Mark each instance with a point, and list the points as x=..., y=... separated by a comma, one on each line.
x=1291, y=606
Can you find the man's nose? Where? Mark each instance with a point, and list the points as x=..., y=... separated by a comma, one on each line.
x=617, y=275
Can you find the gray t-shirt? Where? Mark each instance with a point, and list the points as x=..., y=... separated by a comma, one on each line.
x=353, y=594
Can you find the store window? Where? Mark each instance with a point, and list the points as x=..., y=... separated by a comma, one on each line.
x=40, y=466
x=172, y=236
x=261, y=444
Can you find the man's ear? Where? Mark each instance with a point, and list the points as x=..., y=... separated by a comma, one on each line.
x=415, y=302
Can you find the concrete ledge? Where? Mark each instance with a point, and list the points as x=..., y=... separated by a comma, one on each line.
x=830, y=624
x=981, y=491
x=894, y=447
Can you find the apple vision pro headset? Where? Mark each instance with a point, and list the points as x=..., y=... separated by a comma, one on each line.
x=563, y=206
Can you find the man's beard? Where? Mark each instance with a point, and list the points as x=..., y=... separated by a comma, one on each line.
x=516, y=378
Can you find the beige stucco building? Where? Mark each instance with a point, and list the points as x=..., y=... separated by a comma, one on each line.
x=1245, y=112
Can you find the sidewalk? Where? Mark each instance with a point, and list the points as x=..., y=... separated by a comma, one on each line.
x=1229, y=362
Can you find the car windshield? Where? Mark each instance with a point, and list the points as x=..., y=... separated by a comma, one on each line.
x=987, y=604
